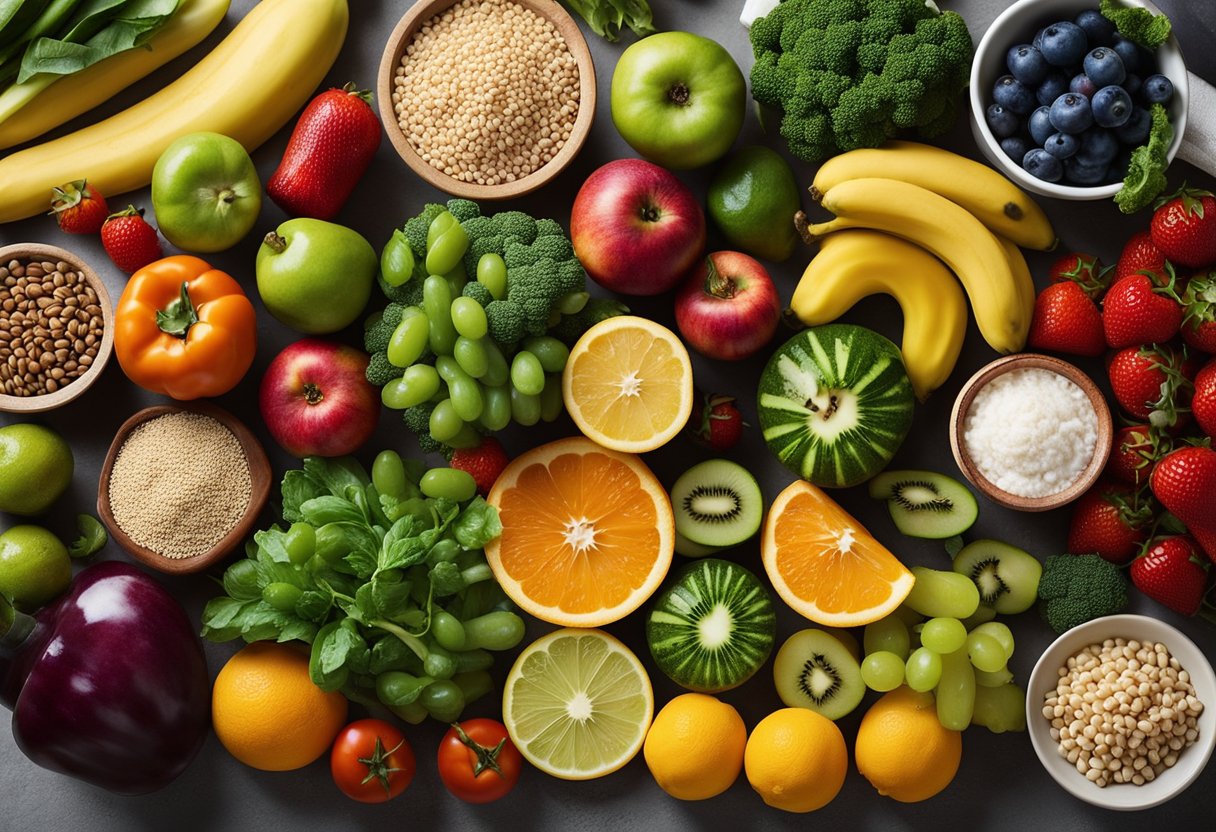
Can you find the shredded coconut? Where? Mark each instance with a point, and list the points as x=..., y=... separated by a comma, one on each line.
x=1031, y=432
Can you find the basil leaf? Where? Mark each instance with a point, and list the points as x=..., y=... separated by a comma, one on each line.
x=477, y=525
x=298, y=488
x=320, y=511
x=92, y=538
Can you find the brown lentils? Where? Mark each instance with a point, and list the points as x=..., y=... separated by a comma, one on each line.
x=51, y=326
x=487, y=91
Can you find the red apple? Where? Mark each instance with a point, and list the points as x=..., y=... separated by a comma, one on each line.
x=316, y=400
x=635, y=227
x=728, y=307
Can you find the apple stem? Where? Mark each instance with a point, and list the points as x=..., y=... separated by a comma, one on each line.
x=313, y=394
x=716, y=283
x=275, y=242
x=679, y=94
x=178, y=316
x=227, y=196
x=651, y=213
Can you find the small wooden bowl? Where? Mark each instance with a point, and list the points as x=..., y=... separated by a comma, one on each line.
x=259, y=477
x=403, y=34
x=1023, y=361
x=65, y=394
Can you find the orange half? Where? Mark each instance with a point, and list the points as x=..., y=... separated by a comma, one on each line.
x=825, y=565
x=587, y=533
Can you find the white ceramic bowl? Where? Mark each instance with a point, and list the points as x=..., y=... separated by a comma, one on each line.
x=1122, y=796
x=1017, y=24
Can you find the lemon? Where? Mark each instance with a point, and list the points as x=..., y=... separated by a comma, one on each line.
x=796, y=760
x=902, y=748
x=35, y=468
x=34, y=566
x=695, y=747
x=577, y=704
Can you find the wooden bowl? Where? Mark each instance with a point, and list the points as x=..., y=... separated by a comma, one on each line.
x=962, y=405
x=259, y=477
x=65, y=394
x=420, y=13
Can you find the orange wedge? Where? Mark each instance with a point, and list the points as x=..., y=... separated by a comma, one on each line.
x=825, y=565
x=628, y=384
x=587, y=533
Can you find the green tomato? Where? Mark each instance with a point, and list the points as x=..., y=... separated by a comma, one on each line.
x=678, y=99
x=205, y=192
x=316, y=276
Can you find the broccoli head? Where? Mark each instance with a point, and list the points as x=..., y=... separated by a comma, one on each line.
x=464, y=209
x=571, y=327
x=1137, y=24
x=477, y=292
x=1078, y=588
x=380, y=328
x=418, y=420
x=516, y=225
x=380, y=372
x=506, y=321
x=415, y=229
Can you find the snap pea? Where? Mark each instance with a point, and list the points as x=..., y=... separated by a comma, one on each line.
x=471, y=355
x=410, y=338
x=551, y=399
x=495, y=408
x=396, y=688
x=469, y=318
x=446, y=247
x=498, y=372
x=550, y=352
x=445, y=423
x=443, y=699
x=527, y=374
x=397, y=260
x=388, y=475
x=437, y=302
x=525, y=409
x=447, y=630
x=492, y=273
x=449, y=482
x=496, y=630
x=474, y=684
x=282, y=596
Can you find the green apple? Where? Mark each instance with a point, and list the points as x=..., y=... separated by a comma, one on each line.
x=205, y=192
x=315, y=276
x=678, y=99
x=36, y=467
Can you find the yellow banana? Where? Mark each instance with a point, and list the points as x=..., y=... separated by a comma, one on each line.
x=1021, y=274
x=247, y=88
x=75, y=94
x=995, y=201
x=851, y=265
x=944, y=228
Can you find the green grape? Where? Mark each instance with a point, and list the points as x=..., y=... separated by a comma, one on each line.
x=388, y=475
x=496, y=408
x=397, y=260
x=469, y=318
x=448, y=368
x=467, y=437
x=889, y=634
x=983, y=613
x=451, y=483
x=573, y=303
x=999, y=632
x=956, y=691
x=440, y=224
x=497, y=372
x=471, y=356
x=943, y=635
x=437, y=303
x=882, y=671
x=300, y=543
x=466, y=397
x=551, y=399
x=445, y=424
x=550, y=352
x=985, y=652
x=525, y=409
x=993, y=680
x=923, y=670
x=419, y=383
x=1000, y=709
x=446, y=246
x=909, y=616
x=410, y=337
x=527, y=375
x=456, y=279
x=492, y=273
x=942, y=594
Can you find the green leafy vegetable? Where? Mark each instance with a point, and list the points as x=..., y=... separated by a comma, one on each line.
x=92, y=539
x=607, y=17
x=1137, y=23
x=1145, y=178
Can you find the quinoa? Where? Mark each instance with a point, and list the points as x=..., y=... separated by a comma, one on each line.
x=180, y=483
x=487, y=91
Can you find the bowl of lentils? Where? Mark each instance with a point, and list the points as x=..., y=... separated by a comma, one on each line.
x=56, y=327
x=487, y=99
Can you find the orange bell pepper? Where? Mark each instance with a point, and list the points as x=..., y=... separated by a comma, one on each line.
x=184, y=329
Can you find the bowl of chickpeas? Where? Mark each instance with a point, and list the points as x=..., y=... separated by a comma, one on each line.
x=1120, y=711
x=487, y=99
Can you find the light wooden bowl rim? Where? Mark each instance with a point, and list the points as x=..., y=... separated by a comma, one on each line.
x=400, y=38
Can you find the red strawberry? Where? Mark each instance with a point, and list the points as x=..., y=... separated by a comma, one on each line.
x=1085, y=270
x=129, y=240
x=1066, y=320
x=1135, y=451
x=717, y=422
x=484, y=462
x=1140, y=254
x=1109, y=520
x=79, y=208
x=1184, y=227
x=1141, y=310
x=1149, y=383
x=330, y=149
x=1184, y=481
x=1171, y=573
x=1203, y=403
x=1199, y=318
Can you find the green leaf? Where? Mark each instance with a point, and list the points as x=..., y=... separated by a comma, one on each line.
x=320, y=511
x=243, y=580
x=222, y=619
x=366, y=603
x=335, y=475
x=314, y=606
x=477, y=525
x=336, y=649
x=273, y=543
x=392, y=599
x=262, y=622
x=298, y=488
x=92, y=537
x=446, y=579
x=296, y=630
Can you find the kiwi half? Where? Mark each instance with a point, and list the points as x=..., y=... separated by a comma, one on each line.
x=925, y=503
x=1007, y=577
x=814, y=670
x=717, y=503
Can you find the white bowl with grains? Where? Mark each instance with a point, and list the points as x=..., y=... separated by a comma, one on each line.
x=1120, y=711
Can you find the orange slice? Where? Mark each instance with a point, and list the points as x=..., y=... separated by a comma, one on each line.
x=628, y=384
x=587, y=533
x=825, y=565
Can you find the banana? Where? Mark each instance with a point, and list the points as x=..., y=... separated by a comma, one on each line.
x=1021, y=274
x=247, y=88
x=995, y=201
x=973, y=253
x=851, y=265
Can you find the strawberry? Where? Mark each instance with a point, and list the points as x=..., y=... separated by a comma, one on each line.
x=329, y=151
x=1142, y=310
x=1149, y=383
x=717, y=422
x=1184, y=227
x=1203, y=403
x=484, y=462
x=1109, y=520
x=1135, y=451
x=1140, y=254
x=1171, y=573
x=129, y=240
x=1199, y=312
x=1066, y=319
x=1085, y=270
x=79, y=208
x=1184, y=481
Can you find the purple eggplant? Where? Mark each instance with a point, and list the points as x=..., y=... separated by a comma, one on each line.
x=108, y=683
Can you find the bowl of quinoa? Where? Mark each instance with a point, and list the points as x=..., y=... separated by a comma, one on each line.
x=487, y=99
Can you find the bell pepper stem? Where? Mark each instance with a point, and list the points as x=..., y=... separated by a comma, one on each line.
x=178, y=316
x=15, y=626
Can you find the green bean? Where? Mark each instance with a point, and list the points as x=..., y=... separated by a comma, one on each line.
x=437, y=302
x=551, y=399
x=447, y=248
x=550, y=352
x=527, y=374
x=474, y=684
x=525, y=410
x=396, y=688
x=388, y=474
x=469, y=318
x=451, y=483
x=497, y=371
x=444, y=423
x=282, y=596
x=410, y=338
x=397, y=260
x=470, y=660
x=444, y=700
x=494, y=631
x=492, y=273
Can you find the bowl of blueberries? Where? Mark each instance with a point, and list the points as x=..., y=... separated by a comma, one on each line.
x=1060, y=99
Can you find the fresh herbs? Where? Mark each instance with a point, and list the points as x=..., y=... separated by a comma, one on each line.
x=92, y=539
x=607, y=17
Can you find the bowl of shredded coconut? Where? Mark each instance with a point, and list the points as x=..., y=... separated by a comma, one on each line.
x=1031, y=432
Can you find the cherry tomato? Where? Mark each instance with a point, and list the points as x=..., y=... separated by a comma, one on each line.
x=371, y=761
x=478, y=762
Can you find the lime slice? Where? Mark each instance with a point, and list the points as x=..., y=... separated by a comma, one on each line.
x=578, y=704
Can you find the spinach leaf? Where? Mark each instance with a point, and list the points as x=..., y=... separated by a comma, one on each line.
x=52, y=18
x=101, y=29
x=221, y=619
x=314, y=606
x=273, y=543
x=16, y=16
x=477, y=525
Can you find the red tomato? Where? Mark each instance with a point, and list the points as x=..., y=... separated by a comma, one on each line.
x=478, y=762
x=371, y=761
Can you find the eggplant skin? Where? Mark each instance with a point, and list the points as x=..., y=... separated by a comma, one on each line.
x=117, y=692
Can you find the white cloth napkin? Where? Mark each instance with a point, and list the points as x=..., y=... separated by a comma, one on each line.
x=1199, y=141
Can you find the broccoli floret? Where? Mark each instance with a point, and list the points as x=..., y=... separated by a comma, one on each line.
x=1078, y=588
x=506, y=321
x=464, y=209
x=853, y=73
x=556, y=248
x=1137, y=24
x=376, y=336
x=407, y=294
x=519, y=255
x=380, y=372
x=571, y=327
x=517, y=225
x=478, y=292
x=1145, y=178
x=480, y=245
x=549, y=228
x=418, y=420
x=415, y=229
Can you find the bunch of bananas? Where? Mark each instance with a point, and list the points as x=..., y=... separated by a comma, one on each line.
x=907, y=215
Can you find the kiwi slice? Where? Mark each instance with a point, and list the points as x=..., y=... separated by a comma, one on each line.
x=717, y=503
x=688, y=549
x=1007, y=577
x=815, y=670
x=925, y=503
x=713, y=628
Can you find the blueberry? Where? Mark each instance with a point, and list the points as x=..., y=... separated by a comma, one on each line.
x=1070, y=113
x=1037, y=40
x=1026, y=63
x=1015, y=147
x=1098, y=147
x=1158, y=89
x=1133, y=84
x=1077, y=172
x=1097, y=27
x=1053, y=86
x=1104, y=67
x=1013, y=95
x=1128, y=52
x=1001, y=121
x=1064, y=44
x=1082, y=85
x=1040, y=163
x=1039, y=124
x=1134, y=131
x=1061, y=145
x=1112, y=106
